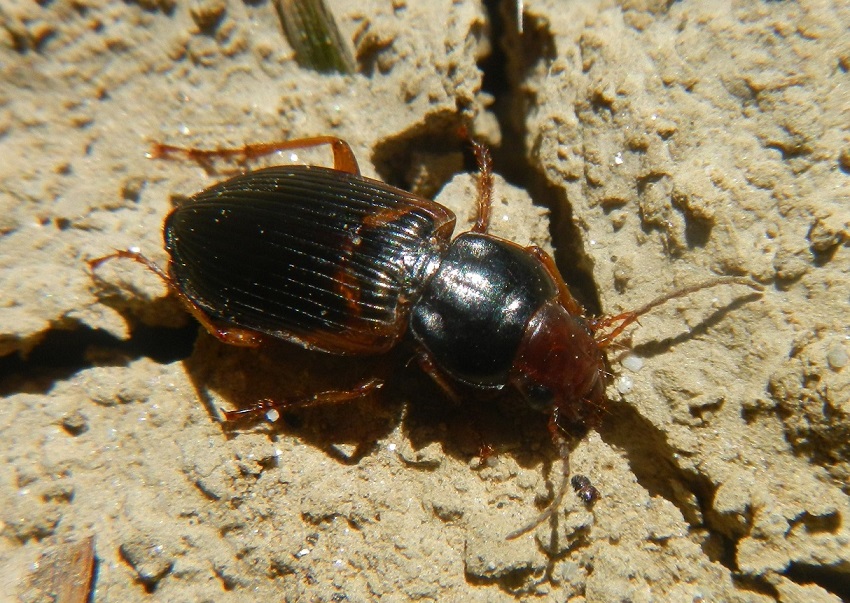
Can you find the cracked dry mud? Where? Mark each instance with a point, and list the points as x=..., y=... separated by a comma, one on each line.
x=672, y=141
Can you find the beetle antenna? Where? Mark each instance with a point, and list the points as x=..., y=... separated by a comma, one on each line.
x=627, y=318
x=564, y=452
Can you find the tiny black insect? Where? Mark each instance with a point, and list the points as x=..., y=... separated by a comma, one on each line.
x=344, y=264
x=584, y=489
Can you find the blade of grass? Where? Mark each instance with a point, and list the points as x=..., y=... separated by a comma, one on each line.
x=313, y=34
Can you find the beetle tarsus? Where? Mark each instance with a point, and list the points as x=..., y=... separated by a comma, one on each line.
x=245, y=338
x=322, y=398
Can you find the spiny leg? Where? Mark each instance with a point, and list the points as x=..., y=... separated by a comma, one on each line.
x=430, y=368
x=318, y=399
x=344, y=159
x=227, y=334
x=485, y=186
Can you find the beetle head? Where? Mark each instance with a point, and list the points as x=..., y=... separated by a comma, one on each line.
x=559, y=368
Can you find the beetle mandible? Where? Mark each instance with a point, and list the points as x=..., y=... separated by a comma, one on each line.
x=344, y=264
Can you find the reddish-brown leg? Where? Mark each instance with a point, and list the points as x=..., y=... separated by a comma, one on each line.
x=485, y=186
x=344, y=159
x=427, y=365
x=226, y=334
x=566, y=298
x=322, y=398
x=432, y=370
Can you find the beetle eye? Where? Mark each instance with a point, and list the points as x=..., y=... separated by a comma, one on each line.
x=539, y=396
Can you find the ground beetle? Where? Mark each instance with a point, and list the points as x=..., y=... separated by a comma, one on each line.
x=344, y=264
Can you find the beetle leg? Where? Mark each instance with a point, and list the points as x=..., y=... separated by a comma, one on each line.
x=344, y=159
x=329, y=397
x=485, y=450
x=566, y=298
x=229, y=335
x=432, y=370
x=485, y=186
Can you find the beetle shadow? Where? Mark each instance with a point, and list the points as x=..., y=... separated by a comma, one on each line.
x=657, y=347
x=498, y=422
x=232, y=378
x=238, y=378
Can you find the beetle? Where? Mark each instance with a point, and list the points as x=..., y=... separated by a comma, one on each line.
x=339, y=263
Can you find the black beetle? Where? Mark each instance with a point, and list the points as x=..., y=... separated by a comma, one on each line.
x=344, y=264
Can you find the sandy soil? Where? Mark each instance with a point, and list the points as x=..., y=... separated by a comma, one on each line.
x=671, y=141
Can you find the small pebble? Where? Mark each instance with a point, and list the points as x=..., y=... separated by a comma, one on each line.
x=147, y=558
x=837, y=358
x=75, y=423
x=632, y=363
x=207, y=14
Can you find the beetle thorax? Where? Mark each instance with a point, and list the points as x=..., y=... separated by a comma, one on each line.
x=476, y=308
